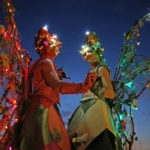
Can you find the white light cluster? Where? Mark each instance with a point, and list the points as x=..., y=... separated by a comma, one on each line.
x=45, y=27
x=86, y=49
x=87, y=33
x=55, y=36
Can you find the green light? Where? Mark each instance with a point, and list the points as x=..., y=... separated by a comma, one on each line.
x=121, y=116
x=129, y=84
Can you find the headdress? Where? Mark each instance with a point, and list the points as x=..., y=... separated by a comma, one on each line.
x=43, y=39
x=93, y=43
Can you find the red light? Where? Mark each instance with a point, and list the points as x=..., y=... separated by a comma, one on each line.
x=14, y=101
x=16, y=120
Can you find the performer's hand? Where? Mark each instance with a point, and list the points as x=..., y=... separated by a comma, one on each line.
x=90, y=79
x=80, y=139
x=75, y=88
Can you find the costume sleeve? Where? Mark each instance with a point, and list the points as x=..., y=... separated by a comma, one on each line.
x=73, y=88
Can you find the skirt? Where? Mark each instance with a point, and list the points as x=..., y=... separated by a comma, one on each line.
x=89, y=121
x=43, y=128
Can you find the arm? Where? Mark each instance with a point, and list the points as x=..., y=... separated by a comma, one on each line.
x=52, y=80
x=72, y=88
x=108, y=89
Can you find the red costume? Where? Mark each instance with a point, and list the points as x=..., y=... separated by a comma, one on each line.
x=43, y=128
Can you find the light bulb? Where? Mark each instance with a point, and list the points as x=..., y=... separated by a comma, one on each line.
x=83, y=46
x=87, y=33
x=55, y=36
x=45, y=27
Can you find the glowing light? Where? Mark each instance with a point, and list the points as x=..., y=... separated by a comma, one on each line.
x=14, y=101
x=14, y=107
x=10, y=10
x=87, y=33
x=45, y=27
x=148, y=85
x=11, y=35
x=138, y=43
x=83, y=46
x=16, y=120
x=10, y=148
x=6, y=70
x=129, y=84
x=102, y=49
x=22, y=55
x=46, y=43
x=82, y=51
x=86, y=49
x=121, y=116
x=55, y=36
x=134, y=105
x=8, y=4
x=5, y=35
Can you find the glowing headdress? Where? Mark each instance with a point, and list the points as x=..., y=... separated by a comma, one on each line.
x=44, y=39
x=93, y=43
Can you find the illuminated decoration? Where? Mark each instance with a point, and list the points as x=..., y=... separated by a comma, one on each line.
x=131, y=68
x=2, y=30
x=148, y=85
x=55, y=36
x=45, y=27
x=14, y=64
x=45, y=39
x=92, y=43
x=87, y=33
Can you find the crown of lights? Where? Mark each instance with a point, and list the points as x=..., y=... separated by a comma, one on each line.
x=44, y=39
x=93, y=43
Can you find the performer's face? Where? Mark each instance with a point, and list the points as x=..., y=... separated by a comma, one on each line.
x=90, y=56
x=53, y=51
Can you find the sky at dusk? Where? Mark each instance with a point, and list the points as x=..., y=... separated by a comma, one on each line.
x=69, y=20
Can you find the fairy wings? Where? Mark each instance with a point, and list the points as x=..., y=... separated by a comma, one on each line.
x=131, y=67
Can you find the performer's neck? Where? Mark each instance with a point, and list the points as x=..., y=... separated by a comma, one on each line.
x=48, y=56
x=94, y=65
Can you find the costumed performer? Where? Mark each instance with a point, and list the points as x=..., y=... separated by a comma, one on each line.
x=43, y=128
x=91, y=125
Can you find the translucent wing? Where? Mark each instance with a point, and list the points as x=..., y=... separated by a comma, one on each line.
x=131, y=67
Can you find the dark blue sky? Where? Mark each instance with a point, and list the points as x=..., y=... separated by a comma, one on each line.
x=70, y=19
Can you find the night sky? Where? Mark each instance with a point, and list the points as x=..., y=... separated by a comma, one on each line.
x=70, y=19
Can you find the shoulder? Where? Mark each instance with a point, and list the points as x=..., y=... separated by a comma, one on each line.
x=46, y=64
x=45, y=61
x=103, y=69
x=43, y=64
x=104, y=72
